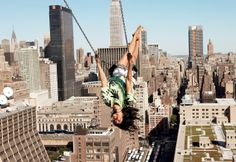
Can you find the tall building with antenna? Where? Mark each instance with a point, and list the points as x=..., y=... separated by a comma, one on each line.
x=116, y=32
x=14, y=45
x=61, y=49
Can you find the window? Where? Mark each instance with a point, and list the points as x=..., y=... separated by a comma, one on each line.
x=97, y=156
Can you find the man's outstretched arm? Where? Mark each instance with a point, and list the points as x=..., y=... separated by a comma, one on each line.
x=101, y=73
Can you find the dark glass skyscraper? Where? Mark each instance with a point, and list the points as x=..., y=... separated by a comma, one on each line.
x=61, y=49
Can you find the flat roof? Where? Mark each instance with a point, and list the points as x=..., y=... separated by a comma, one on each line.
x=13, y=108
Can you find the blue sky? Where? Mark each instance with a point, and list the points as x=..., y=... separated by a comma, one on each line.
x=166, y=21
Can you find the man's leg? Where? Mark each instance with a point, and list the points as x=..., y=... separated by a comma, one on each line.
x=133, y=48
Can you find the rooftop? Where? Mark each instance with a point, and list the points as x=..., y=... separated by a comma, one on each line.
x=101, y=131
x=192, y=142
x=13, y=108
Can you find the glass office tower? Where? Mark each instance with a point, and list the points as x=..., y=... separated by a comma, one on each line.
x=61, y=49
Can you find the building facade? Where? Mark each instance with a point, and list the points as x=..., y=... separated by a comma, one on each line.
x=68, y=114
x=5, y=45
x=141, y=92
x=94, y=145
x=210, y=48
x=61, y=49
x=48, y=75
x=110, y=56
x=29, y=67
x=195, y=36
x=207, y=113
x=20, y=140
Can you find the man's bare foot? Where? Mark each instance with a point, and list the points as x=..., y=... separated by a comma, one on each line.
x=138, y=31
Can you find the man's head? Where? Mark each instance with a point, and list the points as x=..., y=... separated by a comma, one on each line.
x=126, y=119
x=117, y=115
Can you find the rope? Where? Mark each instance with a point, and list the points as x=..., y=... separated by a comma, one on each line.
x=124, y=27
x=80, y=27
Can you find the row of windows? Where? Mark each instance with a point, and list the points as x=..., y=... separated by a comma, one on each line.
x=59, y=120
x=206, y=110
x=231, y=137
x=202, y=114
x=202, y=117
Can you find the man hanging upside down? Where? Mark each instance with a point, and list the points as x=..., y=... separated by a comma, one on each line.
x=118, y=91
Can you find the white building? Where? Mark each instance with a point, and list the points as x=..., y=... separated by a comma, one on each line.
x=29, y=67
x=48, y=71
x=66, y=115
x=142, y=103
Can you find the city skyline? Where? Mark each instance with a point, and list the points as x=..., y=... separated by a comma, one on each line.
x=166, y=22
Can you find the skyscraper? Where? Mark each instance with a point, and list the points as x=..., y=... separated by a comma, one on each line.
x=14, y=45
x=116, y=32
x=210, y=48
x=195, y=62
x=80, y=55
x=195, y=35
x=141, y=93
x=61, y=49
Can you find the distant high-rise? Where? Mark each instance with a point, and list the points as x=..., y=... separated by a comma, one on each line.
x=48, y=77
x=153, y=52
x=143, y=61
x=195, y=35
x=116, y=32
x=210, y=48
x=80, y=56
x=46, y=39
x=195, y=61
x=9, y=56
x=9, y=78
x=5, y=45
x=61, y=49
x=14, y=44
x=141, y=92
x=29, y=67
